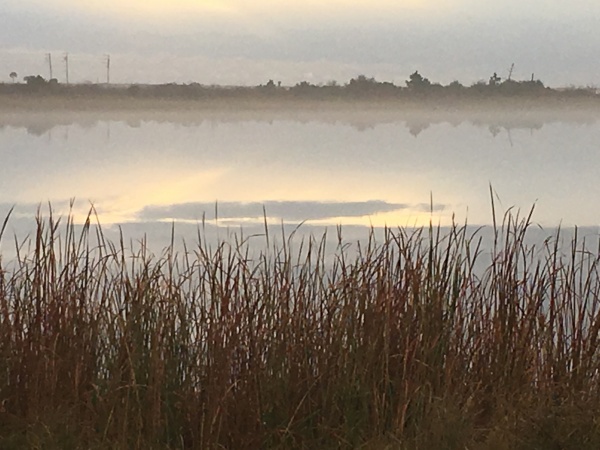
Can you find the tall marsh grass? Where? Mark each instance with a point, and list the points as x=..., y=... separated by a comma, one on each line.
x=408, y=342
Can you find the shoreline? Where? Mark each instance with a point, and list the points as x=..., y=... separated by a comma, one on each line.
x=284, y=101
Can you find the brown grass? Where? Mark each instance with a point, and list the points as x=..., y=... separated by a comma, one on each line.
x=406, y=343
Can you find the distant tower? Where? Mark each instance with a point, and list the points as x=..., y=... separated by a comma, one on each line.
x=107, y=69
x=67, y=67
x=49, y=56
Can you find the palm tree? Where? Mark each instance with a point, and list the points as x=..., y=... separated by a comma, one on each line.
x=13, y=75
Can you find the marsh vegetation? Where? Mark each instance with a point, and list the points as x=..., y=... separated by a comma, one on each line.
x=418, y=340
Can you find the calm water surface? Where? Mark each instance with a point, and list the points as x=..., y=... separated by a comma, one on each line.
x=356, y=170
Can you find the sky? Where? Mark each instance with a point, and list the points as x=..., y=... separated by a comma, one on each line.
x=242, y=42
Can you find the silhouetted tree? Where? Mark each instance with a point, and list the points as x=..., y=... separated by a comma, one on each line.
x=417, y=81
x=305, y=88
x=361, y=80
x=455, y=86
x=303, y=84
x=361, y=84
x=34, y=80
x=14, y=76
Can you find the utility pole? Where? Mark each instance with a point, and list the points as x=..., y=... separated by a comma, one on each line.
x=107, y=69
x=67, y=66
x=49, y=56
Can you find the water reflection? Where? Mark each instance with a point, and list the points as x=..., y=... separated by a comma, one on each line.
x=416, y=121
x=360, y=168
x=288, y=211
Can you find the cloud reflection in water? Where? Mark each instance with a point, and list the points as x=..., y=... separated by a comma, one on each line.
x=285, y=210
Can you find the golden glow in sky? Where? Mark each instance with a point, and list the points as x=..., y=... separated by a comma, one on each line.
x=167, y=9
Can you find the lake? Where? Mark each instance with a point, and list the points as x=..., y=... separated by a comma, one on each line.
x=353, y=166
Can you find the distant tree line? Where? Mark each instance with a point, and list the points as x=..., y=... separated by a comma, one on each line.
x=359, y=87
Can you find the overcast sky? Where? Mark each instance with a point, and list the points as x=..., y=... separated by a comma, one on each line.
x=250, y=41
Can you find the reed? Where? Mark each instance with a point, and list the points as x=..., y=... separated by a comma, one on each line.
x=420, y=340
